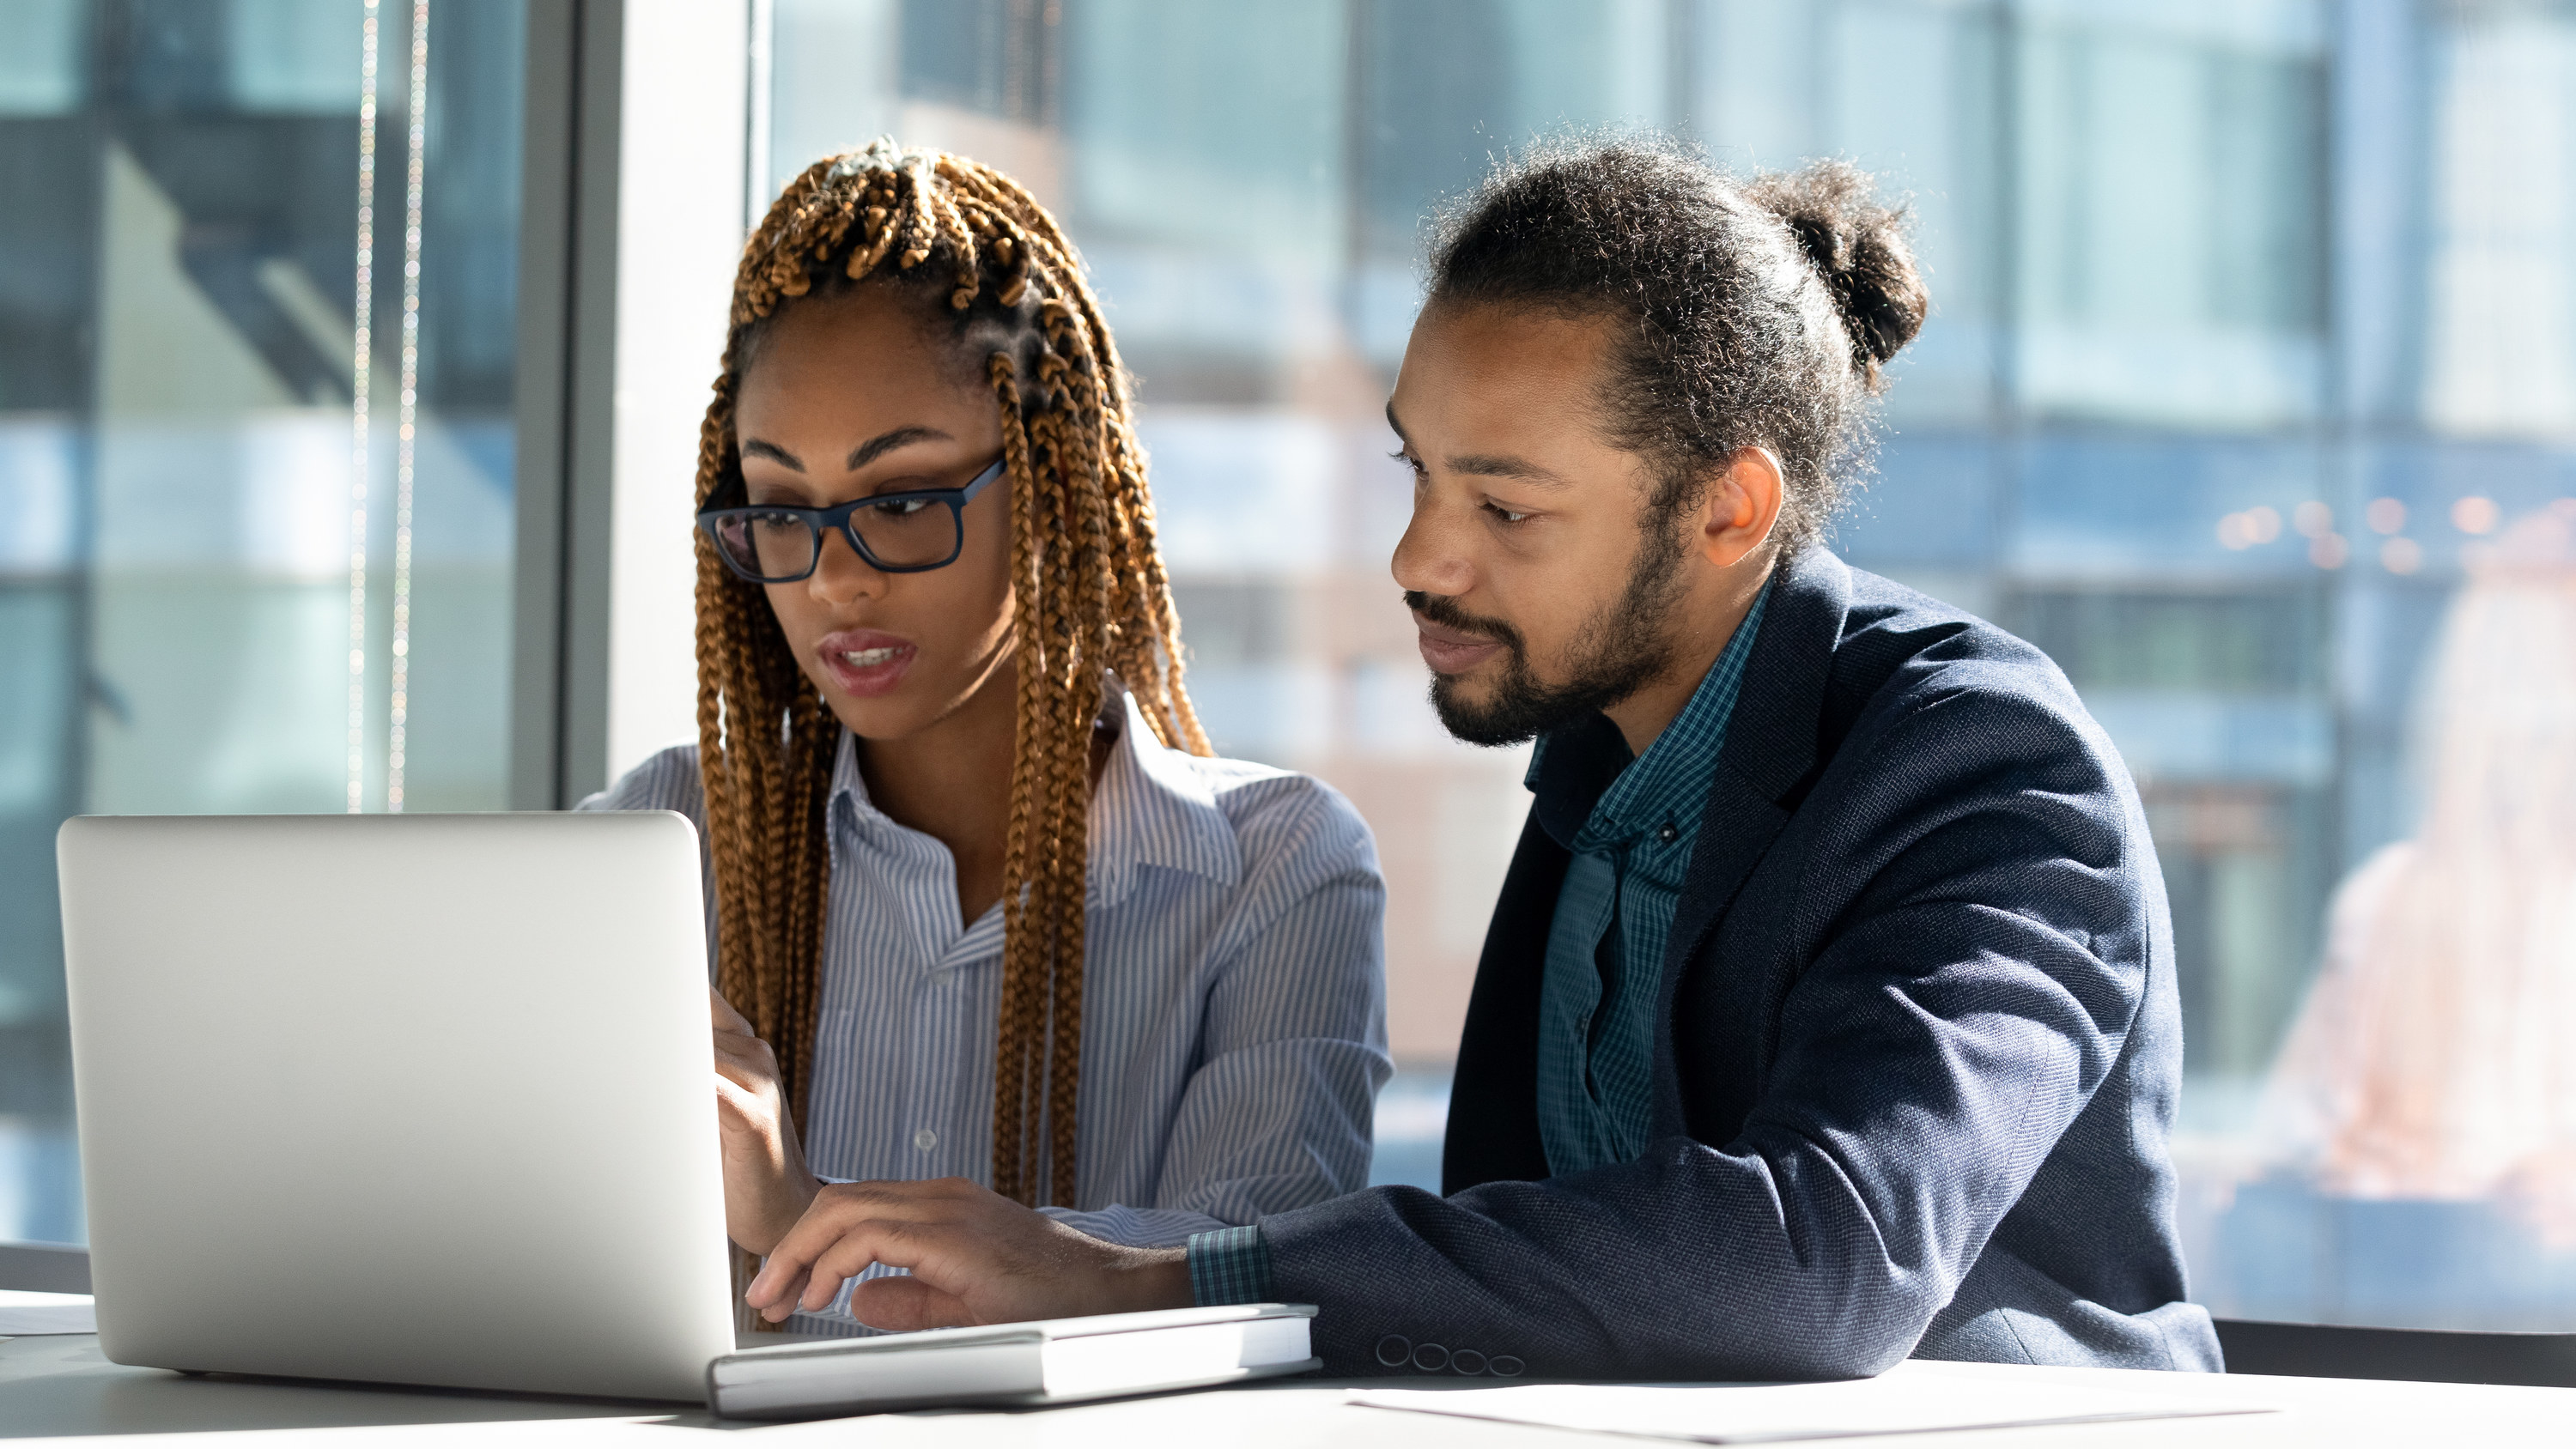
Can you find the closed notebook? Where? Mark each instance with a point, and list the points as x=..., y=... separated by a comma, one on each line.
x=1053, y=1361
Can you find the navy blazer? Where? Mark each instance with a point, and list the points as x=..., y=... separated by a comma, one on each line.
x=1917, y=1056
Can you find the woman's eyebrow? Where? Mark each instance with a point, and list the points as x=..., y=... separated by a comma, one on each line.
x=763, y=448
x=886, y=442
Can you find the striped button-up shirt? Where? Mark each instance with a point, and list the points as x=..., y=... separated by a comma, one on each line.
x=1234, y=1005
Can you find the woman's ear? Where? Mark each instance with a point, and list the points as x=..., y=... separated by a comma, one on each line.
x=1742, y=506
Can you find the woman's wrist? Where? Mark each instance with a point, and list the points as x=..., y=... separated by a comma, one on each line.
x=793, y=1191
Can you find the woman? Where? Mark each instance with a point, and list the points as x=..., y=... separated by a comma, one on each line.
x=985, y=904
x=2429, y=1061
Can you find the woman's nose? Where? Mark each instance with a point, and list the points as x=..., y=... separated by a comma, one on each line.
x=840, y=576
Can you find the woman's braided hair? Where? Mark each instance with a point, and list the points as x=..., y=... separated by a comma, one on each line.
x=1088, y=586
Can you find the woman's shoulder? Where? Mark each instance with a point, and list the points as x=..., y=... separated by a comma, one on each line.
x=666, y=780
x=1274, y=810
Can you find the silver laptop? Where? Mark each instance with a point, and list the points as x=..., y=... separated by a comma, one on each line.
x=411, y=1099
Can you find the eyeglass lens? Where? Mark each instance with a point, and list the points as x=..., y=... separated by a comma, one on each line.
x=903, y=533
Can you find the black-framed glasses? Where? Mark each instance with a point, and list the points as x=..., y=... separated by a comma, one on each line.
x=897, y=533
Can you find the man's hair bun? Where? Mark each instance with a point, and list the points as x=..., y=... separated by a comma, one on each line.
x=1736, y=331
x=1858, y=247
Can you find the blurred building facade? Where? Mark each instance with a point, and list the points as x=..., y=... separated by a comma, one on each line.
x=2251, y=316
x=181, y=492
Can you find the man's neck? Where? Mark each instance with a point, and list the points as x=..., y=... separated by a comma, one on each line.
x=1703, y=622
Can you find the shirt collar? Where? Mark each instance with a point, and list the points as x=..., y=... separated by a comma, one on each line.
x=850, y=787
x=1593, y=795
x=1152, y=807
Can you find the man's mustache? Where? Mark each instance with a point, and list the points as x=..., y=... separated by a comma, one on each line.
x=1446, y=613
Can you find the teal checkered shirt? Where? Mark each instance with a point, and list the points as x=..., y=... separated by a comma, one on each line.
x=1605, y=957
x=1614, y=914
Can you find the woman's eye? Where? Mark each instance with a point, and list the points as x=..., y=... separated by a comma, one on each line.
x=1505, y=514
x=777, y=523
x=899, y=508
x=1409, y=461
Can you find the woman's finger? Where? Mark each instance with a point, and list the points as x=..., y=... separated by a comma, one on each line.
x=726, y=1018
x=748, y=1075
x=741, y=1098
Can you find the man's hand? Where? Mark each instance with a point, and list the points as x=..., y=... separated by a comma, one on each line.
x=766, y=1184
x=976, y=1257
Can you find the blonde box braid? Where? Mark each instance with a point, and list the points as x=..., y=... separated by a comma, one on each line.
x=1090, y=592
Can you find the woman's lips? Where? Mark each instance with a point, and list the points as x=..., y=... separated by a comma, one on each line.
x=866, y=662
x=1451, y=651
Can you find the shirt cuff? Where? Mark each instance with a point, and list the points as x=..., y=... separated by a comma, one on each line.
x=1230, y=1265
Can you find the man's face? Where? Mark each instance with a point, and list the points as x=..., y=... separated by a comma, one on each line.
x=1539, y=581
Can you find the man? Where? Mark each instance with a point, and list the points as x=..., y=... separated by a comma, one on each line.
x=1828, y=1013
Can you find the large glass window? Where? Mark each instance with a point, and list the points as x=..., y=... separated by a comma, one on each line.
x=2246, y=396
x=255, y=536
x=2171, y=167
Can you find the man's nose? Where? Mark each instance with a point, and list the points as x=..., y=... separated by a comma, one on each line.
x=1427, y=559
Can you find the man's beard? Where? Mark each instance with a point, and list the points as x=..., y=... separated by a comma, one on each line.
x=1616, y=653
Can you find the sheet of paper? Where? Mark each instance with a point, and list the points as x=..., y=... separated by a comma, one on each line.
x=1771, y=1413
x=28, y=1313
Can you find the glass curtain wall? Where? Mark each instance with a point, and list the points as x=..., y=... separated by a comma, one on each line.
x=254, y=533
x=2249, y=396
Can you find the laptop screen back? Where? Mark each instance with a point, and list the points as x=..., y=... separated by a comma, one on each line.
x=417, y=1099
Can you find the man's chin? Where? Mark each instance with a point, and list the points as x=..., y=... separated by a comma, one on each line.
x=1490, y=721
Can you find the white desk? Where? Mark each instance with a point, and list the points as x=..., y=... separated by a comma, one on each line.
x=61, y=1386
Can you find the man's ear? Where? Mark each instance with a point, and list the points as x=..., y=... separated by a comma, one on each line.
x=1742, y=506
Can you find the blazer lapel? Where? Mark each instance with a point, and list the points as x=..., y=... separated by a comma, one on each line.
x=1769, y=754
x=1770, y=751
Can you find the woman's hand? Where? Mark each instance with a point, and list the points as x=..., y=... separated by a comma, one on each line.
x=975, y=1257
x=765, y=1181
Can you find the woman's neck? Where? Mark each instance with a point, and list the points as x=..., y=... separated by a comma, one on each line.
x=952, y=782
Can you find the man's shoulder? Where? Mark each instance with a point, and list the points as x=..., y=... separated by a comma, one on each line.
x=1895, y=626
x=1925, y=694
x=1901, y=648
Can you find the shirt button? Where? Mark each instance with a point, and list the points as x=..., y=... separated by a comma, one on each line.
x=925, y=1139
x=1669, y=833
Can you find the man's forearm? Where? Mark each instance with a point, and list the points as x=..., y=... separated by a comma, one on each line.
x=1150, y=1278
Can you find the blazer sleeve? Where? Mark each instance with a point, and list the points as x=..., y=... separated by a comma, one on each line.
x=1960, y=1007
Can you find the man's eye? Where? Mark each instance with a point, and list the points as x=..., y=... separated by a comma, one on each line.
x=1505, y=514
x=1410, y=461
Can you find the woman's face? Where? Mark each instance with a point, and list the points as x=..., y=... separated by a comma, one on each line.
x=847, y=398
